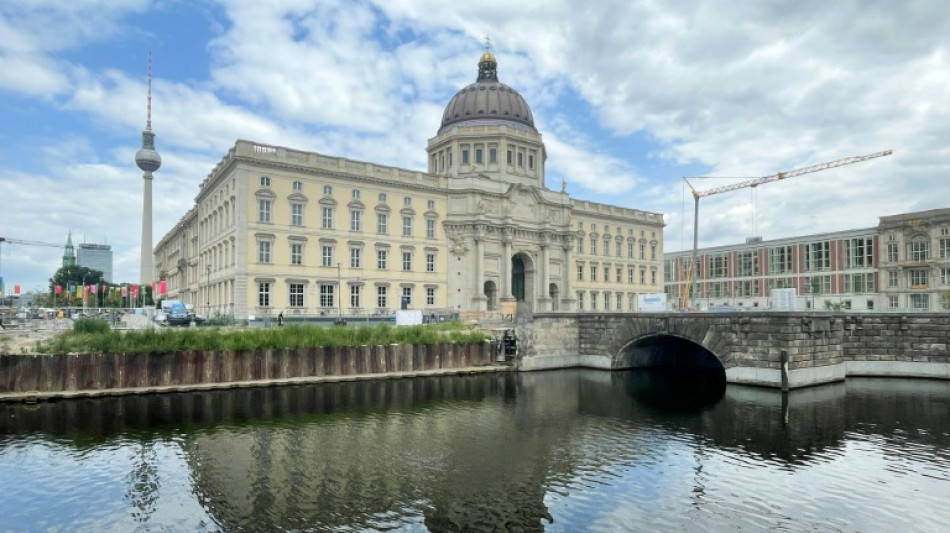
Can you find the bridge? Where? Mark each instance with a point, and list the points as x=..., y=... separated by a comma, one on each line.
x=772, y=349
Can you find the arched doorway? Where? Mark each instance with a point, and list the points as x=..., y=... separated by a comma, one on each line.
x=553, y=292
x=517, y=278
x=523, y=281
x=491, y=294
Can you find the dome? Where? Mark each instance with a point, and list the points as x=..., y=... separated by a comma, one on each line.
x=488, y=99
x=147, y=158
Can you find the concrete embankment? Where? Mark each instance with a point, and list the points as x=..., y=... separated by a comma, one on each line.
x=40, y=377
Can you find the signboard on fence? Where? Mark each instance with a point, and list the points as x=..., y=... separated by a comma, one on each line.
x=651, y=302
x=783, y=299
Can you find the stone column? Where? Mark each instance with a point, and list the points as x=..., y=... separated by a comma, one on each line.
x=545, y=300
x=506, y=266
x=480, y=298
x=570, y=270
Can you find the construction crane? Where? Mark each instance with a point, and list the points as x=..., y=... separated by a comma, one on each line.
x=752, y=183
x=24, y=243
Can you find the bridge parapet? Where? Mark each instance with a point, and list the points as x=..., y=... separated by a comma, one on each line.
x=821, y=347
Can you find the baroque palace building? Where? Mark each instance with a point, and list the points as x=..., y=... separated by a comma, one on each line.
x=275, y=229
x=901, y=264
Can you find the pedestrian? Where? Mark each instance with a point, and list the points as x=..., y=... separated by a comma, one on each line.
x=280, y=319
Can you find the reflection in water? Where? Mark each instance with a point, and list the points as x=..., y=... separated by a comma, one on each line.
x=557, y=451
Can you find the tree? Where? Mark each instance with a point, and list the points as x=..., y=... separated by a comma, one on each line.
x=73, y=276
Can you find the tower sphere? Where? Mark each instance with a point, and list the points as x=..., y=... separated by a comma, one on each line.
x=147, y=158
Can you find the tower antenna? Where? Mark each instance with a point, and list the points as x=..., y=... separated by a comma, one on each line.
x=148, y=120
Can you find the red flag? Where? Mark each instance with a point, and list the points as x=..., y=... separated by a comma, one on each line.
x=92, y=288
x=135, y=291
x=16, y=289
x=153, y=287
x=125, y=292
x=59, y=290
x=164, y=287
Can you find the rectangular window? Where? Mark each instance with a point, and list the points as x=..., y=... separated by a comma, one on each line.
x=381, y=297
x=478, y=156
x=593, y=272
x=263, y=294
x=606, y=301
x=265, y=181
x=653, y=252
x=892, y=302
x=643, y=251
x=619, y=275
x=382, y=198
x=643, y=276
x=920, y=302
x=748, y=263
x=580, y=246
x=356, y=220
x=430, y=295
x=520, y=159
x=430, y=262
x=327, y=190
x=356, y=194
x=355, y=296
x=509, y=157
x=580, y=295
x=593, y=300
x=818, y=256
x=918, y=278
x=263, y=251
x=718, y=266
x=296, y=295
x=859, y=253
x=630, y=250
x=780, y=260
x=430, y=228
x=407, y=295
x=464, y=156
x=492, y=155
x=892, y=278
x=619, y=249
x=892, y=252
x=407, y=201
x=406, y=261
x=263, y=210
x=531, y=161
x=356, y=257
x=382, y=220
x=593, y=245
x=381, y=258
x=629, y=275
x=298, y=186
x=326, y=295
x=296, y=254
x=653, y=278
x=326, y=255
x=430, y=204
x=919, y=250
x=607, y=274
x=407, y=226
x=619, y=301
x=296, y=214
x=944, y=248
x=327, y=220
x=580, y=271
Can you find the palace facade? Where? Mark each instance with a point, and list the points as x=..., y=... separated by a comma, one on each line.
x=278, y=230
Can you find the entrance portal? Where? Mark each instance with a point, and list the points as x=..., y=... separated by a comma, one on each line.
x=517, y=278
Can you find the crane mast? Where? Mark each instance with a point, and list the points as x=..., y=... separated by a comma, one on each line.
x=752, y=183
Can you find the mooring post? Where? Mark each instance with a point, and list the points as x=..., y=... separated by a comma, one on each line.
x=784, y=359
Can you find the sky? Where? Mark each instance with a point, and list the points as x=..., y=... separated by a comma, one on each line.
x=631, y=96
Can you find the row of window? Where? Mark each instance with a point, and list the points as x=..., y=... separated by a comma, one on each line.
x=264, y=214
x=328, y=254
x=918, y=278
x=327, y=295
x=631, y=273
x=354, y=193
x=617, y=248
x=593, y=229
x=479, y=154
x=611, y=301
x=918, y=249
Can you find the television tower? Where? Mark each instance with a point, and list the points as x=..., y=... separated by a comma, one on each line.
x=149, y=161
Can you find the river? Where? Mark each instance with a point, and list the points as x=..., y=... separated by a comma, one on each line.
x=567, y=450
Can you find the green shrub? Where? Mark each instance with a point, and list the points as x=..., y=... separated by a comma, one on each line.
x=90, y=325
